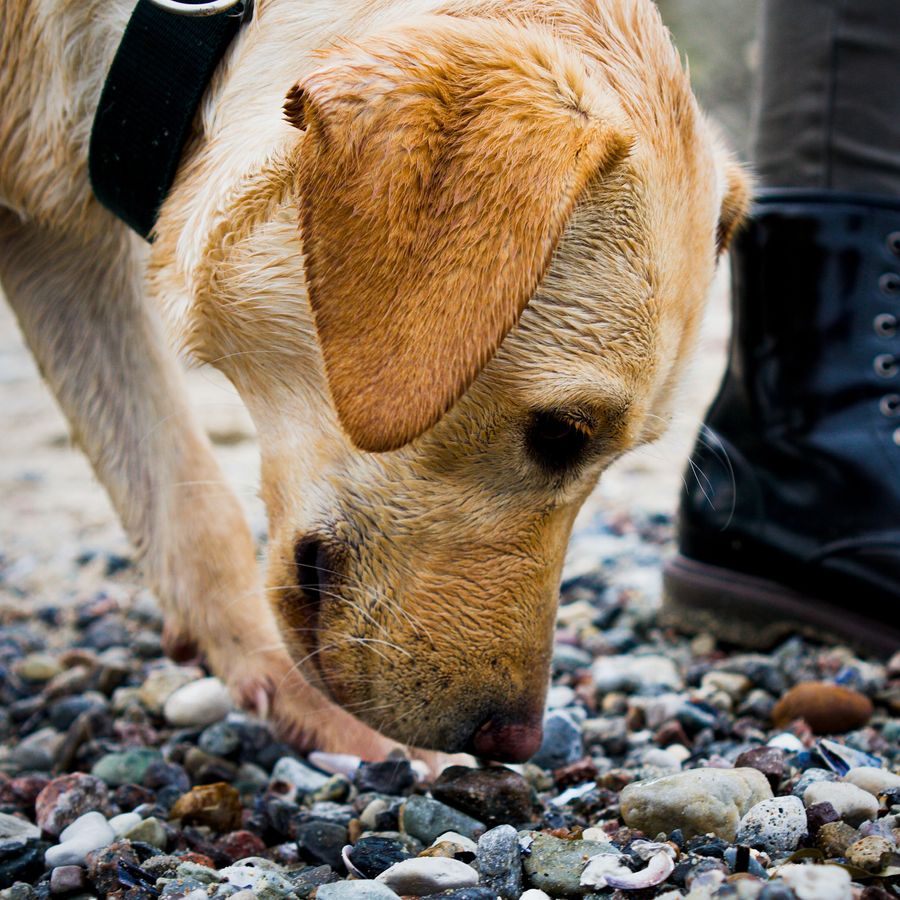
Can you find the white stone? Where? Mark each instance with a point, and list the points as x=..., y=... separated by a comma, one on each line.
x=852, y=804
x=335, y=763
x=453, y=837
x=786, y=741
x=679, y=752
x=88, y=832
x=302, y=779
x=428, y=875
x=161, y=683
x=14, y=827
x=125, y=822
x=560, y=696
x=660, y=759
x=777, y=825
x=875, y=781
x=197, y=704
x=817, y=882
x=626, y=672
x=534, y=894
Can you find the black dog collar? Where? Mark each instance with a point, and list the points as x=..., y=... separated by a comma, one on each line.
x=160, y=72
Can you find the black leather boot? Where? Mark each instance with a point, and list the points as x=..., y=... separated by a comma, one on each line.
x=790, y=519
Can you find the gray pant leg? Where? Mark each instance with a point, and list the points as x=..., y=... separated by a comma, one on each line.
x=829, y=102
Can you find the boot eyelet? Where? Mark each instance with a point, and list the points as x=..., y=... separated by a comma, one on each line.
x=890, y=405
x=890, y=283
x=885, y=325
x=886, y=365
x=893, y=242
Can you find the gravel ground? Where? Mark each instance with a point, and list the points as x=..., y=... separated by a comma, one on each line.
x=670, y=767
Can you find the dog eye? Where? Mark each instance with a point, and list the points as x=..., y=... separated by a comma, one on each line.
x=557, y=441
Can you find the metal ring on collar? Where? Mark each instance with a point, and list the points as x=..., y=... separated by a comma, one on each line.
x=210, y=8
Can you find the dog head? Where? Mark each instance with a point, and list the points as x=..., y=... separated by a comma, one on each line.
x=466, y=283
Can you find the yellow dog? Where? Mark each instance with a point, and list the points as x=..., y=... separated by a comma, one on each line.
x=453, y=255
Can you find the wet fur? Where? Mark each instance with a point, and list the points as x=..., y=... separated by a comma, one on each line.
x=448, y=547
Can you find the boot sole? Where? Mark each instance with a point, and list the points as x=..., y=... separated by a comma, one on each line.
x=758, y=614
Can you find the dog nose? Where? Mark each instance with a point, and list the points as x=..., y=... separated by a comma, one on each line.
x=506, y=741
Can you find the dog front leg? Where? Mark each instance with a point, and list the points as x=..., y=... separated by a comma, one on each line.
x=81, y=308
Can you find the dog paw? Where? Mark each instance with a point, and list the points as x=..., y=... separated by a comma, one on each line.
x=300, y=714
x=178, y=645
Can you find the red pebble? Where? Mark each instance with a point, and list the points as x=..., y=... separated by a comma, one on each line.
x=240, y=844
x=66, y=798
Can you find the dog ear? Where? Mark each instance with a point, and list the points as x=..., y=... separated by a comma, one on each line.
x=439, y=167
x=735, y=204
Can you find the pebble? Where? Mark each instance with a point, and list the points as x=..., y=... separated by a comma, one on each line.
x=126, y=767
x=775, y=825
x=88, y=832
x=835, y=838
x=428, y=875
x=197, y=704
x=871, y=853
x=17, y=827
x=66, y=879
x=875, y=781
x=495, y=795
x=426, y=819
x=817, y=882
x=499, y=862
x=124, y=822
x=768, y=760
x=698, y=801
x=217, y=806
x=373, y=854
x=354, y=890
x=148, y=831
x=393, y=776
x=561, y=744
x=633, y=673
x=161, y=683
x=554, y=865
x=38, y=667
x=826, y=708
x=300, y=778
x=852, y=804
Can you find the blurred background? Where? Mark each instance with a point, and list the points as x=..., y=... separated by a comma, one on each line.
x=57, y=530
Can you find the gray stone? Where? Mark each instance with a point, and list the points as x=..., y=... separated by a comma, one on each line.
x=562, y=742
x=428, y=875
x=355, y=890
x=554, y=865
x=698, y=801
x=426, y=819
x=499, y=862
x=14, y=826
x=811, y=776
x=776, y=826
x=853, y=804
x=300, y=777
